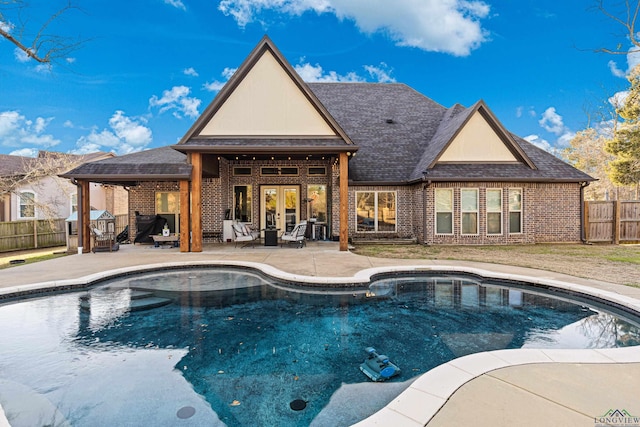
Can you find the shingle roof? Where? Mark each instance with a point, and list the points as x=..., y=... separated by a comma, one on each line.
x=390, y=123
x=18, y=165
x=157, y=163
x=14, y=165
x=401, y=151
x=400, y=134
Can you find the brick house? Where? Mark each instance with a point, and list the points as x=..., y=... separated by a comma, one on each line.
x=363, y=160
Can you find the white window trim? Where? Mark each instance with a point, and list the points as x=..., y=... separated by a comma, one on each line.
x=35, y=211
x=500, y=211
x=436, y=211
x=476, y=211
x=521, y=210
x=375, y=211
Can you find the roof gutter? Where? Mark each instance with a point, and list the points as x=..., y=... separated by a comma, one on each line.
x=127, y=178
x=261, y=149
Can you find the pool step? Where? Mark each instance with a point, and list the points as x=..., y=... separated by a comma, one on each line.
x=148, y=303
x=136, y=294
x=139, y=300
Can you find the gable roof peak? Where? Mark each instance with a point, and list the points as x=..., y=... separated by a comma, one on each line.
x=457, y=117
x=265, y=45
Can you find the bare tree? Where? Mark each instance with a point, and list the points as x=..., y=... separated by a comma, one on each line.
x=37, y=173
x=625, y=13
x=37, y=43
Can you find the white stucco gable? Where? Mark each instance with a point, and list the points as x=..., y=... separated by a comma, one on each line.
x=267, y=102
x=477, y=141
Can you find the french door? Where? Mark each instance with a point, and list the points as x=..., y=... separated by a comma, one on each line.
x=279, y=206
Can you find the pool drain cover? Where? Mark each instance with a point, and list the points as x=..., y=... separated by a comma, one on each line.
x=298, y=404
x=186, y=412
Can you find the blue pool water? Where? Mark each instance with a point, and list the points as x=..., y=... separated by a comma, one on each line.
x=230, y=348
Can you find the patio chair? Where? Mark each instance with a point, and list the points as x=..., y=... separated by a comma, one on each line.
x=242, y=233
x=297, y=235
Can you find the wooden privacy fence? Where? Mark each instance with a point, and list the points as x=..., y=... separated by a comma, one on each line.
x=32, y=234
x=612, y=221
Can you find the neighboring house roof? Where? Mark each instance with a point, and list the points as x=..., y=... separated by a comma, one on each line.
x=155, y=164
x=11, y=165
x=14, y=165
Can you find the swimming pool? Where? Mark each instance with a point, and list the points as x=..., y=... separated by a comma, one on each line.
x=230, y=347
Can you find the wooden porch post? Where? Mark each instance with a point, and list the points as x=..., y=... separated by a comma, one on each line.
x=344, y=202
x=85, y=221
x=185, y=209
x=196, y=202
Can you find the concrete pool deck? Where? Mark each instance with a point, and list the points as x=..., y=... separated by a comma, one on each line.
x=523, y=387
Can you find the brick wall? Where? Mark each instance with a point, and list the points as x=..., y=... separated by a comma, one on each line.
x=142, y=198
x=550, y=213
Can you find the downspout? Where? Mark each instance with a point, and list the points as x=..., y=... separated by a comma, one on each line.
x=80, y=225
x=583, y=239
x=424, y=215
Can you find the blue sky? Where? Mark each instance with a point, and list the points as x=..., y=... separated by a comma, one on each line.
x=148, y=68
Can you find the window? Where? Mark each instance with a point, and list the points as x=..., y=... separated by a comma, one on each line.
x=515, y=211
x=74, y=202
x=317, y=171
x=444, y=211
x=27, y=206
x=494, y=211
x=168, y=207
x=469, y=211
x=376, y=211
x=242, y=197
x=289, y=171
x=241, y=171
x=317, y=196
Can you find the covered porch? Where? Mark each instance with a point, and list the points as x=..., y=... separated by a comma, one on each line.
x=199, y=190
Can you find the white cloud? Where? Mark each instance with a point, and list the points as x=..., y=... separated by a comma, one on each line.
x=21, y=55
x=25, y=152
x=539, y=142
x=613, y=67
x=448, y=26
x=7, y=27
x=216, y=85
x=176, y=3
x=381, y=73
x=131, y=131
x=552, y=121
x=190, y=72
x=618, y=99
x=126, y=135
x=633, y=59
x=315, y=73
x=16, y=130
x=177, y=100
